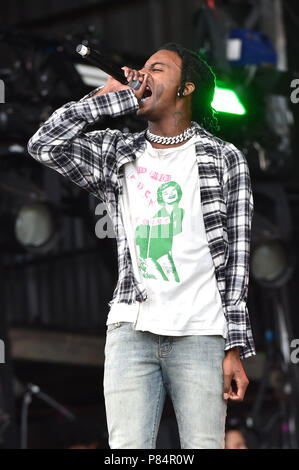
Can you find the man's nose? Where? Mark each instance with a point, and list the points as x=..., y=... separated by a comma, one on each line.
x=143, y=70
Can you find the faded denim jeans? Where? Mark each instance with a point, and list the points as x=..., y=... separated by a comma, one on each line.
x=141, y=367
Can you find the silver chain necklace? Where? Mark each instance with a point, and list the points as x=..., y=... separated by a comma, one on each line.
x=171, y=140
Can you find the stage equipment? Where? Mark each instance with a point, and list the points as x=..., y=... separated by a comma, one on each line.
x=272, y=263
x=227, y=101
x=35, y=226
x=29, y=221
x=34, y=390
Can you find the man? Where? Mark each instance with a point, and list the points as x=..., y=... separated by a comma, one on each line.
x=187, y=336
x=234, y=439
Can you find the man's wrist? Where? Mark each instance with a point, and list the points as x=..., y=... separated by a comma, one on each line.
x=233, y=352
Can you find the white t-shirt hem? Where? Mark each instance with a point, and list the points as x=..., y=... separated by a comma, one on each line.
x=188, y=332
x=131, y=317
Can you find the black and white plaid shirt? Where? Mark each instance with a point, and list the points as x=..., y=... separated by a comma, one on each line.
x=94, y=160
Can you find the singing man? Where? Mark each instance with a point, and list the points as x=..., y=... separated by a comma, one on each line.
x=183, y=328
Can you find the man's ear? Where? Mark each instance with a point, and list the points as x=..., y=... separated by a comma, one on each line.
x=189, y=88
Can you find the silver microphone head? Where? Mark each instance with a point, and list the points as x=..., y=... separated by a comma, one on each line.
x=82, y=50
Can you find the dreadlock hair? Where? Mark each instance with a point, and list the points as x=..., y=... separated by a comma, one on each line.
x=195, y=69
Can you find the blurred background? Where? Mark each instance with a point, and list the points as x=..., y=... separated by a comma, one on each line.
x=57, y=276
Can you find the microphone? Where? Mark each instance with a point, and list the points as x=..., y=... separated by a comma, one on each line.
x=106, y=64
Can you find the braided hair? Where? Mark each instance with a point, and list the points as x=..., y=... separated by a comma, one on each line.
x=196, y=70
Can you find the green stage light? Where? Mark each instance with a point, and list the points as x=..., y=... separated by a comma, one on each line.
x=226, y=101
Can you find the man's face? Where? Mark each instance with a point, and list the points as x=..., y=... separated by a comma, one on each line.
x=164, y=69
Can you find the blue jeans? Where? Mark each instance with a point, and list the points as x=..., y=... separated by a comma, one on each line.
x=141, y=367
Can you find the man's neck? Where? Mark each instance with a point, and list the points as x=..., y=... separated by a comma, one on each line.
x=170, y=127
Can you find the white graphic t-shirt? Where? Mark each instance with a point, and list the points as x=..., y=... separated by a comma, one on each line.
x=161, y=208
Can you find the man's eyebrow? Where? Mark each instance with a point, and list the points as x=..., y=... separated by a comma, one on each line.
x=157, y=63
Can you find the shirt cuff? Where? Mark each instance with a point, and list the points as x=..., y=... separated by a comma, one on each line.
x=239, y=330
x=113, y=104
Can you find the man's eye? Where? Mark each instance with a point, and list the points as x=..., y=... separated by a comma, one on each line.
x=157, y=70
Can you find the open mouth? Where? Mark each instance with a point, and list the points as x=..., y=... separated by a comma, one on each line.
x=147, y=94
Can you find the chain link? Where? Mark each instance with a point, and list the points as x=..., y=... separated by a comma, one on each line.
x=171, y=140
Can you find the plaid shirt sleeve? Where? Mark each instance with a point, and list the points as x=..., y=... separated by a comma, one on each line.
x=61, y=143
x=239, y=200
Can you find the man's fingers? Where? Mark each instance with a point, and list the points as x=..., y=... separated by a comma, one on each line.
x=239, y=394
x=126, y=70
x=234, y=377
x=227, y=389
x=128, y=73
x=141, y=89
x=131, y=74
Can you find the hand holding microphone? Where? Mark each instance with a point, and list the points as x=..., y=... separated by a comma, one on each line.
x=114, y=85
x=119, y=78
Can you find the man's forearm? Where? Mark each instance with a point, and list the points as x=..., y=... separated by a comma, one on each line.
x=69, y=121
x=61, y=143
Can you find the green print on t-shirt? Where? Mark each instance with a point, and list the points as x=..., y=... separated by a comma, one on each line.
x=155, y=238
